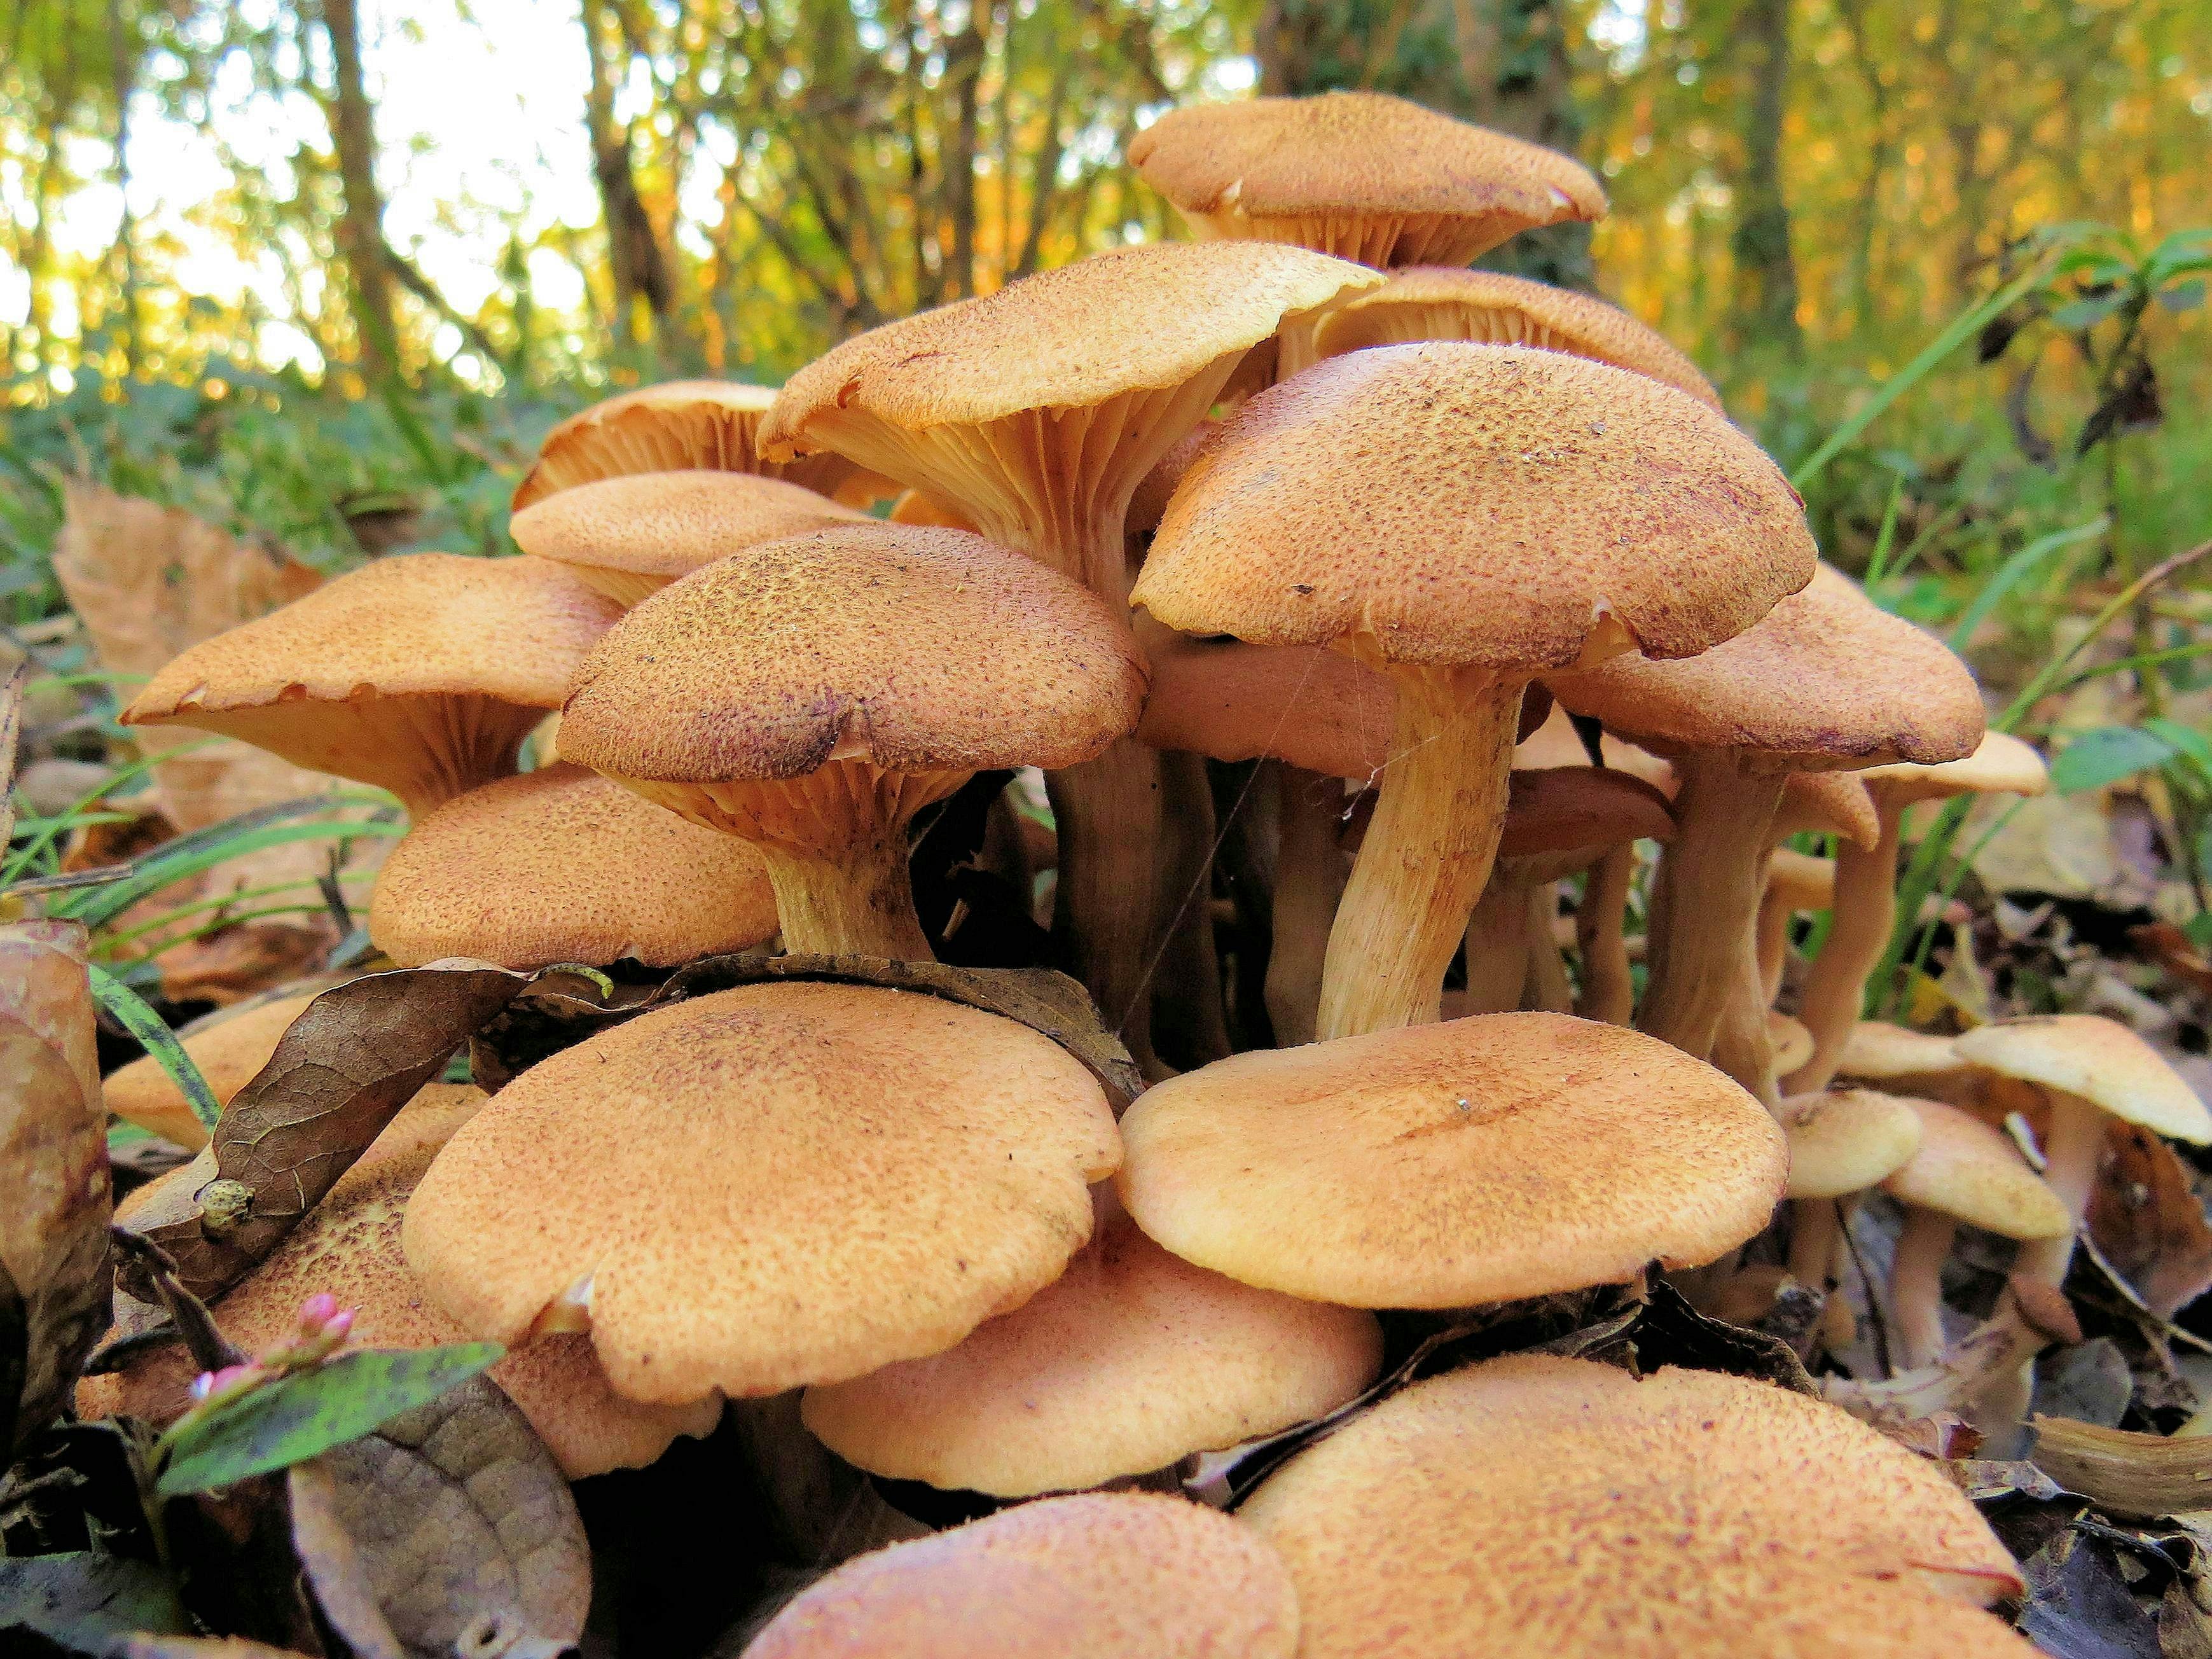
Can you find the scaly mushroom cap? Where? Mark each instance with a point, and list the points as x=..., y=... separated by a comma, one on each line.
x=2099, y=1060
x=1440, y=1166
x=680, y=426
x=1967, y=1168
x=1431, y=303
x=1370, y=176
x=631, y=536
x=228, y=1047
x=1829, y=679
x=562, y=865
x=769, y=1186
x=348, y=1245
x=1538, y=1506
x=1130, y=1361
x=1845, y=1140
x=1105, y=1574
x=1537, y=511
x=1037, y=410
x=1149, y=504
x=1826, y=804
x=420, y=673
x=1563, y=809
x=2000, y=765
x=920, y=655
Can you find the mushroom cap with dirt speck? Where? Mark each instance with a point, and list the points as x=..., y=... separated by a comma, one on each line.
x=420, y=666
x=1105, y=1574
x=769, y=1186
x=1480, y=1160
x=561, y=865
x=1967, y=1168
x=2099, y=1060
x=1826, y=804
x=677, y=426
x=1538, y=1506
x=1130, y=1361
x=229, y=1050
x=1537, y=511
x=1845, y=1140
x=1790, y=1043
x=349, y=1246
x=1258, y=165
x=2001, y=765
x=919, y=650
x=631, y=536
x=1828, y=679
x=1501, y=310
x=1143, y=319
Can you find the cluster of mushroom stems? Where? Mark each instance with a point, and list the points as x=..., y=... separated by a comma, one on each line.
x=1483, y=583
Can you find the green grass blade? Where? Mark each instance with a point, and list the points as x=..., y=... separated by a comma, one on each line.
x=131, y=1013
x=2016, y=569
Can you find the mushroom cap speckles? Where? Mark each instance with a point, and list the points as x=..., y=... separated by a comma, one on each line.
x=1480, y=1160
x=1828, y=678
x=1494, y=505
x=1536, y=1506
x=1349, y=153
x=1143, y=319
x=769, y=1186
x=561, y=865
x=919, y=650
x=2100, y=1059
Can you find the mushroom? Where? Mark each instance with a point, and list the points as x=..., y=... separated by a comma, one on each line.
x=1007, y=409
x=1358, y=174
x=1795, y=881
x=1827, y=681
x=1929, y=1068
x=1843, y=1142
x=1963, y=1170
x=1615, y=511
x=1105, y=1574
x=1866, y=885
x=763, y=1187
x=229, y=1046
x=811, y=695
x=1481, y=1160
x=348, y=1245
x=1532, y=1506
x=2093, y=1070
x=630, y=537
x=1132, y=1360
x=1787, y=1038
x=1430, y=302
x=681, y=426
x=420, y=673
x=562, y=865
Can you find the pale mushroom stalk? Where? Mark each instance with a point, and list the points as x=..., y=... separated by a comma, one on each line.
x=1916, y=1287
x=1428, y=852
x=1608, y=990
x=2073, y=1150
x=1499, y=950
x=1547, y=990
x=1742, y=1046
x=1864, y=916
x=1816, y=1234
x=1310, y=880
x=1706, y=897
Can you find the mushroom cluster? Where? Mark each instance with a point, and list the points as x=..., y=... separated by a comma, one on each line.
x=1455, y=596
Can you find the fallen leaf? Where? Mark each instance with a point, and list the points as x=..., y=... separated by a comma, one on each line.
x=2146, y=1216
x=449, y=1531
x=87, y=1603
x=2129, y=1474
x=53, y=1170
x=2079, y=1606
x=2089, y=1383
x=2172, y=950
x=304, y=1415
x=343, y=1068
x=11, y=727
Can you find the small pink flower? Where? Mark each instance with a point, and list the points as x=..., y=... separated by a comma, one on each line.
x=317, y=1311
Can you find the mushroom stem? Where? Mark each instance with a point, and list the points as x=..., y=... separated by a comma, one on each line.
x=1547, y=989
x=1499, y=949
x=1707, y=897
x=1106, y=910
x=2073, y=1151
x=1309, y=876
x=1772, y=935
x=1428, y=851
x=1741, y=1046
x=1816, y=1228
x=1186, y=994
x=859, y=905
x=1600, y=932
x=1916, y=1285
x=1858, y=931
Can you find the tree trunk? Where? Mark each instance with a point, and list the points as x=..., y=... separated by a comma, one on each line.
x=360, y=227
x=1766, y=273
x=964, y=76
x=635, y=257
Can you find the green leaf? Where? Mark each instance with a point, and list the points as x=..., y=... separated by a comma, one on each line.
x=153, y=1035
x=2088, y=313
x=2105, y=756
x=2184, y=740
x=302, y=1416
x=2183, y=296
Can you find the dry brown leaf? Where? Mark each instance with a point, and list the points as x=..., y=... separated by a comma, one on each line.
x=2148, y=1220
x=352, y=1059
x=2129, y=1474
x=54, y=1203
x=450, y=1530
x=11, y=727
